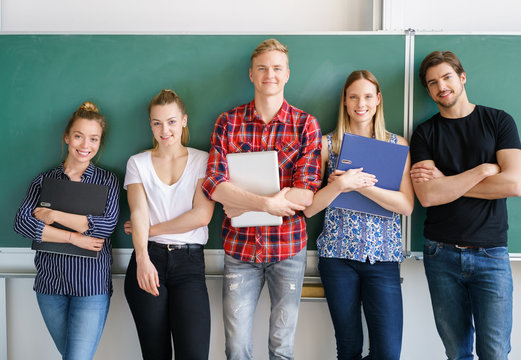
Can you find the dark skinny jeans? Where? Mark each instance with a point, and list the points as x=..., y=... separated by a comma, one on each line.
x=181, y=311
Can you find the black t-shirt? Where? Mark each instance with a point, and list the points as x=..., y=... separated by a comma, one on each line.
x=457, y=145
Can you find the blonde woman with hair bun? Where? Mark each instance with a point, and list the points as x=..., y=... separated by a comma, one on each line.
x=165, y=284
x=359, y=253
x=73, y=292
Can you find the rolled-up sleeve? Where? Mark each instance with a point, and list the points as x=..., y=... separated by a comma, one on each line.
x=103, y=226
x=25, y=223
x=307, y=168
x=217, y=167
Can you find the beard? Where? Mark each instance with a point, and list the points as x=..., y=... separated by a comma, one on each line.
x=447, y=104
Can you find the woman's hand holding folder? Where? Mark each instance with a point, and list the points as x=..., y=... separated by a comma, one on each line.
x=86, y=242
x=352, y=179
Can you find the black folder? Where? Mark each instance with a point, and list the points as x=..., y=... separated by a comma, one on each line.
x=75, y=198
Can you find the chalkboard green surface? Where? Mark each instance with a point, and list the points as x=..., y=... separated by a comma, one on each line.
x=492, y=64
x=44, y=78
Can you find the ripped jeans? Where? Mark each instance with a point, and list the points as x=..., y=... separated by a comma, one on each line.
x=242, y=286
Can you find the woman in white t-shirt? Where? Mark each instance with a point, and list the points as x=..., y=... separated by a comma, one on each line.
x=165, y=282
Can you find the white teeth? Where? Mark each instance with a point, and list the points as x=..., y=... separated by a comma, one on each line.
x=84, y=153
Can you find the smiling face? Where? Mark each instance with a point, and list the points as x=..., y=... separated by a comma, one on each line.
x=445, y=86
x=269, y=73
x=361, y=101
x=167, y=122
x=83, y=140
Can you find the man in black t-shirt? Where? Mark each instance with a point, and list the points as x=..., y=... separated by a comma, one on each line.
x=466, y=162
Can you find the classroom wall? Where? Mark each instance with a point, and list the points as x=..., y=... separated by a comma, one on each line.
x=314, y=335
x=186, y=16
x=452, y=16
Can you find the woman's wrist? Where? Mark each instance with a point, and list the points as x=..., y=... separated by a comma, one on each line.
x=142, y=255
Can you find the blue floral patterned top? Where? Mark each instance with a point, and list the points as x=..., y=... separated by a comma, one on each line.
x=359, y=236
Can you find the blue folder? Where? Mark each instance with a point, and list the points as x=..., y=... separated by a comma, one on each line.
x=383, y=159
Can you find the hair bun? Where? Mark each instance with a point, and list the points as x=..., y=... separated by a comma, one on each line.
x=168, y=91
x=89, y=106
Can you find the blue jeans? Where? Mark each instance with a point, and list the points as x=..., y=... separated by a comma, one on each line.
x=75, y=322
x=242, y=286
x=470, y=289
x=348, y=285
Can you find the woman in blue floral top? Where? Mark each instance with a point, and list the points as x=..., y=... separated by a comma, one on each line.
x=359, y=253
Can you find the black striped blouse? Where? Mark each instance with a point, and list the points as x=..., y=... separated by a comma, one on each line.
x=61, y=274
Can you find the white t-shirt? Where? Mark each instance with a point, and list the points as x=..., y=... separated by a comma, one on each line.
x=166, y=202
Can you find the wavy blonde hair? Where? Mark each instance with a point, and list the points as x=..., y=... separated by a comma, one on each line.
x=343, y=124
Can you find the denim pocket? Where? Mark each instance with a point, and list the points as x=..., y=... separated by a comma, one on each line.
x=430, y=248
x=500, y=252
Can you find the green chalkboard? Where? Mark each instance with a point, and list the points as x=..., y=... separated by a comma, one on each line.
x=44, y=78
x=492, y=64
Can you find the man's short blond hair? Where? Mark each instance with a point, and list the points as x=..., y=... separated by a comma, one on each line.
x=269, y=45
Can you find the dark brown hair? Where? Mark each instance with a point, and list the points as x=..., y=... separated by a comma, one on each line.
x=436, y=58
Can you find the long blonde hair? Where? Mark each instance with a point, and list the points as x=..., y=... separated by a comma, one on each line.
x=343, y=124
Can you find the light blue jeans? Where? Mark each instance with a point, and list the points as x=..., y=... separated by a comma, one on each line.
x=471, y=291
x=242, y=286
x=75, y=322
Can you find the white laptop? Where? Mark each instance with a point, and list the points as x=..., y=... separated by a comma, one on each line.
x=257, y=172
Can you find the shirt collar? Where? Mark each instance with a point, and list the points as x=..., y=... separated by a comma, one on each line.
x=282, y=114
x=89, y=171
x=87, y=174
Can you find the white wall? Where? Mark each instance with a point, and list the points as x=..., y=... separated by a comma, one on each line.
x=119, y=341
x=314, y=338
x=186, y=16
x=27, y=337
x=267, y=16
x=452, y=15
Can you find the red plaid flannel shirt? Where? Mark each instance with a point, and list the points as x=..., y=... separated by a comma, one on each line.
x=296, y=137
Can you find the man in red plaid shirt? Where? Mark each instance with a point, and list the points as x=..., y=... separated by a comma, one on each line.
x=275, y=254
